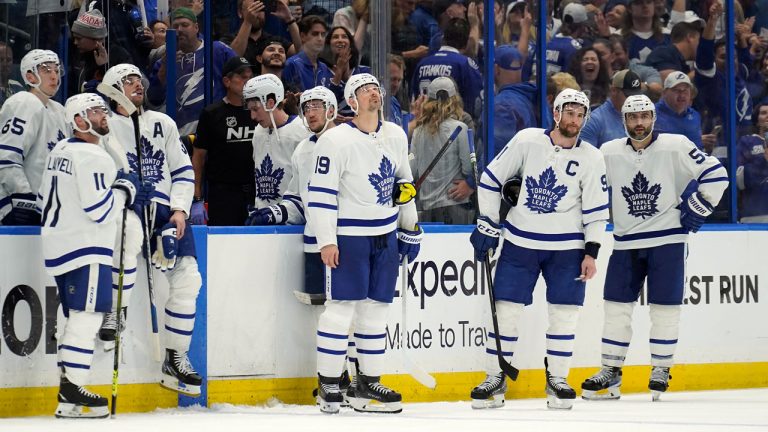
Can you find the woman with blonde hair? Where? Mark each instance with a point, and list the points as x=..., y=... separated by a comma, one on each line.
x=445, y=194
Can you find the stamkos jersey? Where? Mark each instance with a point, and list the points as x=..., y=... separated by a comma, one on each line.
x=297, y=192
x=272, y=151
x=646, y=186
x=80, y=209
x=350, y=191
x=28, y=132
x=164, y=161
x=563, y=200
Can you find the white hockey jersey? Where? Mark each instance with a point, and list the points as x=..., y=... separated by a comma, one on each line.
x=272, y=151
x=165, y=161
x=80, y=209
x=297, y=193
x=563, y=200
x=350, y=192
x=29, y=130
x=646, y=186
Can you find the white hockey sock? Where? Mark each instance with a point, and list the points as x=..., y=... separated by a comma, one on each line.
x=185, y=282
x=665, y=325
x=508, y=315
x=133, y=239
x=75, y=350
x=561, y=337
x=333, y=336
x=370, y=336
x=617, y=332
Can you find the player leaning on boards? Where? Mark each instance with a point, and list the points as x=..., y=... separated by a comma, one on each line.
x=647, y=173
x=31, y=124
x=362, y=228
x=553, y=230
x=165, y=163
x=82, y=196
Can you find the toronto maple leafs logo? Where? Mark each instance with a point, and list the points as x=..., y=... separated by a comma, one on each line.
x=544, y=194
x=641, y=198
x=268, y=180
x=151, y=162
x=383, y=182
x=60, y=136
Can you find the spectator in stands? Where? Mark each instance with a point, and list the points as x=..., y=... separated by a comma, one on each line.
x=757, y=81
x=324, y=8
x=89, y=32
x=614, y=15
x=606, y=123
x=406, y=42
x=753, y=145
x=8, y=86
x=425, y=23
x=444, y=11
x=516, y=30
x=344, y=58
x=449, y=62
x=270, y=56
x=674, y=113
x=643, y=30
x=564, y=45
x=159, y=29
x=515, y=101
x=591, y=73
x=188, y=83
x=251, y=31
x=445, y=194
x=649, y=76
x=396, y=115
x=675, y=56
x=555, y=84
x=752, y=180
x=303, y=69
x=355, y=19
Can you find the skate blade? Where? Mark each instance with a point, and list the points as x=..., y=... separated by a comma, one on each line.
x=497, y=401
x=174, y=384
x=559, y=404
x=373, y=406
x=612, y=393
x=655, y=395
x=72, y=411
x=328, y=407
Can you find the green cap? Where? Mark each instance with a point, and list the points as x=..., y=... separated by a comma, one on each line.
x=184, y=12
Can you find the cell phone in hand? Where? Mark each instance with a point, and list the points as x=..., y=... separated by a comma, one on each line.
x=270, y=6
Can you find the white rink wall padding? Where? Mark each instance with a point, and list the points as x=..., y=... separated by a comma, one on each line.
x=255, y=342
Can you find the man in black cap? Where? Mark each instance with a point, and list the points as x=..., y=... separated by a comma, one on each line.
x=605, y=123
x=222, y=158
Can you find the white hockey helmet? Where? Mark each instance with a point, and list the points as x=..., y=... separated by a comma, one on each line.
x=635, y=104
x=262, y=88
x=357, y=81
x=79, y=104
x=568, y=96
x=116, y=74
x=322, y=94
x=35, y=58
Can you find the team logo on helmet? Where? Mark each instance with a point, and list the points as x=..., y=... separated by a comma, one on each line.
x=151, y=162
x=543, y=195
x=383, y=182
x=641, y=197
x=268, y=180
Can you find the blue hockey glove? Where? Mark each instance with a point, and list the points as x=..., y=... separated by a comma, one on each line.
x=485, y=237
x=164, y=257
x=144, y=191
x=511, y=190
x=409, y=243
x=128, y=183
x=198, y=216
x=694, y=211
x=275, y=214
x=23, y=211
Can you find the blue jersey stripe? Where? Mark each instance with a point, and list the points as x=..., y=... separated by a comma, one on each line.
x=12, y=149
x=504, y=338
x=323, y=190
x=181, y=170
x=650, y=234
x=370, y=352
x=323, y=206
x=559, y=353
x=55, y=262
x=709, y=170
x=617, y=343
x=74, y=365
x=490, y=188
x=543, y=237
x=177, y=331
x=493, y=177
x=161, y=195
x=367, y=222
x=179, y=180
x=331, y=352
x=331, y=335
x=75, y=349
x=561, y=337
x=494, y=352
x=310, y=240
x=369, y=336
x=663, y=341
x=125, y=271
x=106, y=213
x=592, y=210
x=179, y=315
x=100, y=203
x=9, y=162
x=714, y=180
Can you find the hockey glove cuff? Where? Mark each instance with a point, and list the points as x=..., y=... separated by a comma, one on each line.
x=694, y=211
x=409, y=243
x=24, y=211
x=198, y=216
x=403, y=192
x=128, y=183
x=485, y=237
x=164, y=257
x=511, y=190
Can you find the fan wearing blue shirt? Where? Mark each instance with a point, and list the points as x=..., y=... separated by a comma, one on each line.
x=674, y=113
x=303, y=69
x=513, y=107
x=605, y=123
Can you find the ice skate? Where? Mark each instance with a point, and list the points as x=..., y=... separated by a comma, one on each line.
x=108, y=328
x=329, y=395
x=609, y=378
x=78, y=402
x=179, y=375
x=659, y=382
x=559, y=394
x=490, y=393
x=372, y=396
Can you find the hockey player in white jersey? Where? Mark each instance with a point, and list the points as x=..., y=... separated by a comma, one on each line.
x=82, y=196
x=648, y=173
x=362, y=232
x=554, y=230
x=275, y=138
x=31, y=123
x=164, y=162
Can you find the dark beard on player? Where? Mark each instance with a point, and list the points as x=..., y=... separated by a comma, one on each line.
x=564, y=131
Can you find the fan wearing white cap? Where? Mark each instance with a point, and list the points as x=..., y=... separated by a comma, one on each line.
x=275, y=138
x=363, y=227
x=675, y=112
x=553, y=229
x=82, y=195
x=567, y=41
x=653, y=210
x=31, y=123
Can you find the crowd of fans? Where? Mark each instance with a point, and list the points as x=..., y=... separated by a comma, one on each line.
x=671, y=50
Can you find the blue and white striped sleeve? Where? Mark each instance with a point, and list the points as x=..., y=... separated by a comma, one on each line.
x=323, y=203
x=504, y=166
x=292, y=196
x=95, y=176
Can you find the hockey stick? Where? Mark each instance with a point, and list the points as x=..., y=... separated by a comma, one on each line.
x=437, y=157
x=143, y=11
x=412, y=368
x=122, y=100
x=121, y=273
x=507, y=368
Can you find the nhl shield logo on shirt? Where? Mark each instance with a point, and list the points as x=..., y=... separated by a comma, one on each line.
x=641, y=199
x=544, y=194
x=231, y=121
x=268, y=180
x=383, y=182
